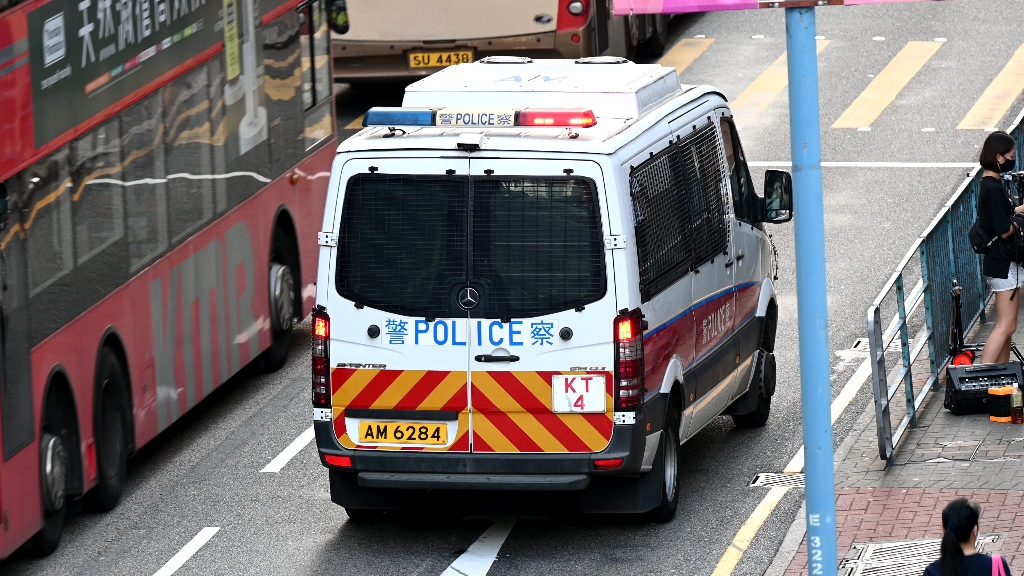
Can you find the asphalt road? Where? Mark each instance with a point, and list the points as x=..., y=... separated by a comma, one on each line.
x=205, y=470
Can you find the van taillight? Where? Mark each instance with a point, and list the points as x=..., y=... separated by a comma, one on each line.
x=629, y=359
x=321, y=358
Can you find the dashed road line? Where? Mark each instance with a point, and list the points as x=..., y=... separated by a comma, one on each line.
x=193, y=546
x=477, y=559
x=884, y=88
x=998, y=97
x=685, y=52
x=288, y=453
x=763, y=91
x=734, y=552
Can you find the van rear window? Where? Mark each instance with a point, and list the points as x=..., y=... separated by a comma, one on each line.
x=532, y=246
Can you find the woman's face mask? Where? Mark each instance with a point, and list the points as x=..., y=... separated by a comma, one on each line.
x=1007, y=164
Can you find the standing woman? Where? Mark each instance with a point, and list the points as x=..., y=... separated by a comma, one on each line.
x=995, y=209
x=959, y=556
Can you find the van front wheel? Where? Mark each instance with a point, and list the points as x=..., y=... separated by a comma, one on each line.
x=766, y=388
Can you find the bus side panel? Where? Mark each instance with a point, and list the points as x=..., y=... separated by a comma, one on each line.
x=189, y=321
x=308, y=218
x=21, y=499
x=15, y=92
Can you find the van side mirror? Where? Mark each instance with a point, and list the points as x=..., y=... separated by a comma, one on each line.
x=778, y=197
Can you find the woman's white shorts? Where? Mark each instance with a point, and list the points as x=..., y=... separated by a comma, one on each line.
x=1013, y=280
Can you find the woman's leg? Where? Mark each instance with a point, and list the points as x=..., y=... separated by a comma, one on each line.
x=997, y=347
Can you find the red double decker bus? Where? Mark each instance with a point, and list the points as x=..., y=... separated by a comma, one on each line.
x=163, y=168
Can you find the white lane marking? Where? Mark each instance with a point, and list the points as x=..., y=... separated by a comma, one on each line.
x=185, y=553
x=288, y=453
x=477, y=560
x=771, y=163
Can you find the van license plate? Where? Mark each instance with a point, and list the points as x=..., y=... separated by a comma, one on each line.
x=583, y=393
x=405, y=433
x=440, y=59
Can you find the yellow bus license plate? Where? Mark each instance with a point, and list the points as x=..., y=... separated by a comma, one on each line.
x=411, y=433
x=439, y=59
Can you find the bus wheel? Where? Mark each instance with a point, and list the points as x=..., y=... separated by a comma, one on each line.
x=654, y=45
x=668, y=465
x=53, y=458
x=282, y=301
x=111, y=444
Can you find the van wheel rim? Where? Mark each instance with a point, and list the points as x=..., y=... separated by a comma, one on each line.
x=671, y=466
x=282, y=286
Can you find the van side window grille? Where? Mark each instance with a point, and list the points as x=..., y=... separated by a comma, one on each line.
x=679, y=210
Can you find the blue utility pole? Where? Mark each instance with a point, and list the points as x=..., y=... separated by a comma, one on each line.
x=812, y=301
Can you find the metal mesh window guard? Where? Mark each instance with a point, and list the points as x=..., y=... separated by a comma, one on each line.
x=402, y=244
x=679, y=209
x=537, y=244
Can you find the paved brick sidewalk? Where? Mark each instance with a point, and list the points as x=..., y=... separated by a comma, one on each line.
x=879, y=509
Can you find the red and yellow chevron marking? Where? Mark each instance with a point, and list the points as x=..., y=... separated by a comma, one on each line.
x=400, y=390
x=512, y=413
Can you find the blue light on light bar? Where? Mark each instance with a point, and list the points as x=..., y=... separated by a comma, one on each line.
x=389, y=116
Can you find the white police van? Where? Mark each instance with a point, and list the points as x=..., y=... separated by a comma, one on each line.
x=540, y=276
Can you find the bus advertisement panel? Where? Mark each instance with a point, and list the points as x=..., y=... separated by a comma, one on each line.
x=162, y=177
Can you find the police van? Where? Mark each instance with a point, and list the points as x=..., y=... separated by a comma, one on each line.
x=540, y=276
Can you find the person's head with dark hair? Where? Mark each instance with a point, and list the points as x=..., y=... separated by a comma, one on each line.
x=959, y=529
x=998, y=153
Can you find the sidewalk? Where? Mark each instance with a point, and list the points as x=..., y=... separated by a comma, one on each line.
x=889, y=520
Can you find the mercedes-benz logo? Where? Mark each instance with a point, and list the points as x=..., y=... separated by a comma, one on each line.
x=469, y=298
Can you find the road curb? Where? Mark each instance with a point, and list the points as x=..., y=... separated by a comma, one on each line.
x=795, y=535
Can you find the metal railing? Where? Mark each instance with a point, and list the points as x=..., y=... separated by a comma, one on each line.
x=921, y=318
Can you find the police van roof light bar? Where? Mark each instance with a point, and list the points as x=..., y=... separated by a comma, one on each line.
x=456, y=118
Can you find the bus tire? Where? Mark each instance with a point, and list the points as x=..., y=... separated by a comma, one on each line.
x=667, y=464
x=111, y=432
x=53, y=478
x=654, y=45
x=283, y=264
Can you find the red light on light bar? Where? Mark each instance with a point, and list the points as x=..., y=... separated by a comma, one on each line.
x=573, y=118
x=339, y=461
x=611, y=464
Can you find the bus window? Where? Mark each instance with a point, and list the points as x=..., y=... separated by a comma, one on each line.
x=97, y=193
x=146, y=196
x=317, y=81
x=187, y=137
x=45, y=186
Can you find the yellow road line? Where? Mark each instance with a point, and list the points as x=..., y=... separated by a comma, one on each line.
x=764, y=90
x=356, y=124
x=745, y=535
x=998, y=97
x=685, y=52
x=747, y=532
x=887, y=85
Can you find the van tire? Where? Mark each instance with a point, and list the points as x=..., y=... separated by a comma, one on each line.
x=766, y=388
x=668, y=464
x=111, y=432
x=283, y=261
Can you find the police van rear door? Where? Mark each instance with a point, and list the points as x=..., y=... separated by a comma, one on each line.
x=541, y=330
x=399, y=338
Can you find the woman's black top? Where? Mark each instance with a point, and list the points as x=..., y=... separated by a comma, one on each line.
x=974, y=565
x=994, y=211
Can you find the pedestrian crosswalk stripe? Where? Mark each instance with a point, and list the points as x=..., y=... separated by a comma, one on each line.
x=887, y=85
x=764, y=89
x=685, y=52
x=356, y=124
x=998, y=97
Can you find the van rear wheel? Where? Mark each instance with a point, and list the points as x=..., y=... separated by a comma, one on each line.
x=766, y=388
x=668, y=465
